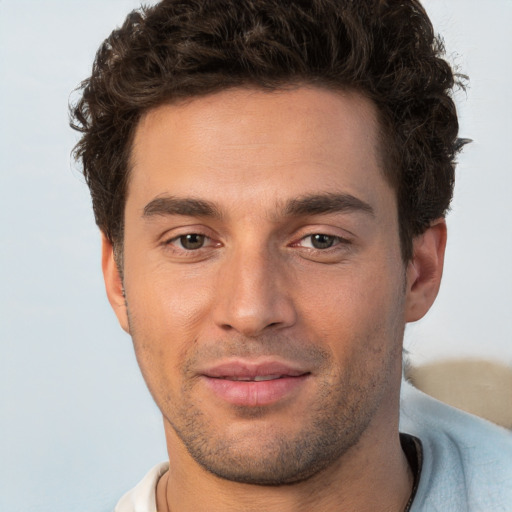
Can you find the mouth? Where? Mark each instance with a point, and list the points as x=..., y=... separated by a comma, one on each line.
x=257, y=378
x=254, y=384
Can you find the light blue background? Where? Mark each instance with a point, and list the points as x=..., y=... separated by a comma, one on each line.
x=77, y=426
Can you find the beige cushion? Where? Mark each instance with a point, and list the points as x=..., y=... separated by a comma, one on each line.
x=477, y=386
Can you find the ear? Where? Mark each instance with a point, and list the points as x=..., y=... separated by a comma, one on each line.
x=113, y=283
x=424, y=271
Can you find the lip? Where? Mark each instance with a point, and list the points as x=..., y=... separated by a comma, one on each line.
x=253, y=383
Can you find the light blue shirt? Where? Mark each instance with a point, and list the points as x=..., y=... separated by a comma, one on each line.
x=467, y=461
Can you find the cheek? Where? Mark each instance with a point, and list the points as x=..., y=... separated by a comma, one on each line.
x=166, y=300
x=165, y=315
x=357, y=313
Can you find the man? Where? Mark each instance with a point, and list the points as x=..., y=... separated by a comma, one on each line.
x=271, y=179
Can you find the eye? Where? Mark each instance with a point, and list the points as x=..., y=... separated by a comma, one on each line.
x=319, y=241
x=190, y=246
x=191, y=241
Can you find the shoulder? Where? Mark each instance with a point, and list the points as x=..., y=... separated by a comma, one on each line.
x=142, y=498
x=467, y=461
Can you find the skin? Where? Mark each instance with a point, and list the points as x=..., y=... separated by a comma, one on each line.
x=252, y=284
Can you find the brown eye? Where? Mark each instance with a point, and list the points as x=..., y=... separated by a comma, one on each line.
x=320, y=241
x=192, y=241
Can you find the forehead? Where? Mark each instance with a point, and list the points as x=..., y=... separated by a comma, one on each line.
x=284, y=143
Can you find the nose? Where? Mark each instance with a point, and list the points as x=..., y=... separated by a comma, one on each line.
x=254, y=294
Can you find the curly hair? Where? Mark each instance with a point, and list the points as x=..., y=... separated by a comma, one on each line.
x=385, y=50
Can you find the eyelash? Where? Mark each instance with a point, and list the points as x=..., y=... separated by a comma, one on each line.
x=336, y=241
x=180, y=239
x=207, y=242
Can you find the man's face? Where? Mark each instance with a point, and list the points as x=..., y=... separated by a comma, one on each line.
x=263, y=279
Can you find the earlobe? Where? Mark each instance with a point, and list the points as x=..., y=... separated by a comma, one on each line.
x=425, y=270
x=113, y=283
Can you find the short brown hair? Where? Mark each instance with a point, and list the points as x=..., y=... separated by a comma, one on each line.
x=383, y=49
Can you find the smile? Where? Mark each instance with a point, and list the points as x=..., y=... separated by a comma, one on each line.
x=254, y=384
x=257, y=378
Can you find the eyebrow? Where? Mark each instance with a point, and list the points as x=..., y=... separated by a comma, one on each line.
x=318, y=204
x=190, y=207
x=311, y=204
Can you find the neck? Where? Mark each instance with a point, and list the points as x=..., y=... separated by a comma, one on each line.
x=371, y=476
